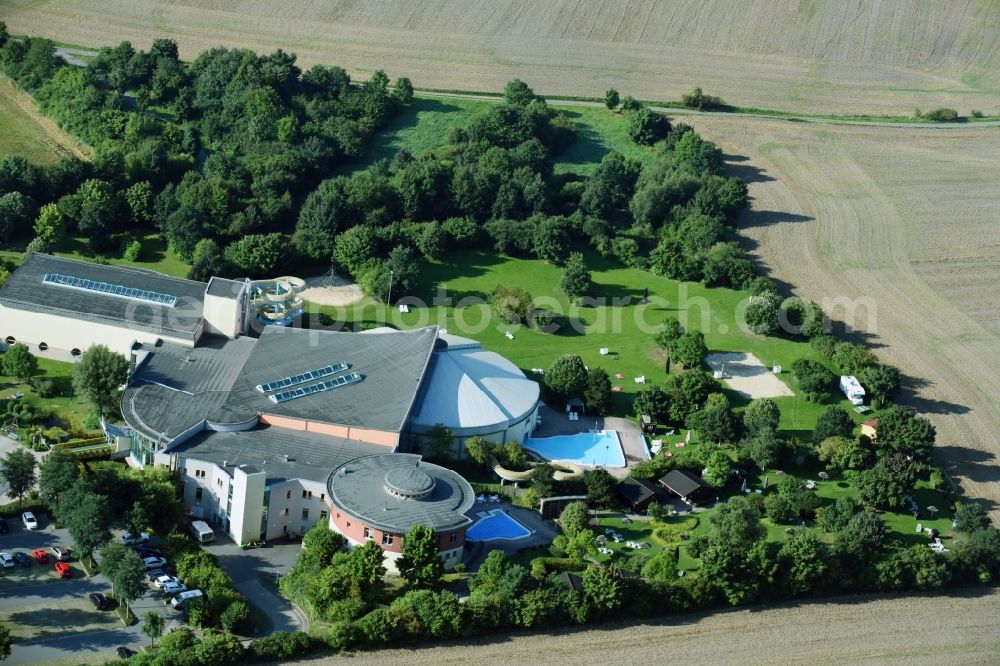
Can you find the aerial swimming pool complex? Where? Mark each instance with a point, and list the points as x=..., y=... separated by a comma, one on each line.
x=601, y=448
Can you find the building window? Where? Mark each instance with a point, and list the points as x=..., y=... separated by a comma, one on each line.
x=286, y=510
x=43, y=346
x=348, y=524
x=368, y=533
x=305, y=514
x=453, y=537
x=303, y=494
x=322, y=496
x=322, y=515
x=387, y=539
x=288, y=495
x=10, y=340
x=75, y=352
x=197, y=494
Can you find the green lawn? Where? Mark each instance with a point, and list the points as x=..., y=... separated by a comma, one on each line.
x=155, y=255
x=425, y=125
x=625, y=330
x=600, y=132
x=66, y=408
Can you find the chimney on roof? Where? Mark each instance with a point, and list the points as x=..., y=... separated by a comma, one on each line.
x=225, y=463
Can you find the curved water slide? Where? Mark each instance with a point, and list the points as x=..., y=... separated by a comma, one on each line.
x=277, y=301
x=564, y=471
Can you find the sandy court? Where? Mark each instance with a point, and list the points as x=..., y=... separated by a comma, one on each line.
x=745, y=374
x=332, y=290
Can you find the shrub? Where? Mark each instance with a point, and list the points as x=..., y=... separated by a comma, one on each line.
x=941, y=115
x=132, y=251
x=671, y=535
x=280, y=646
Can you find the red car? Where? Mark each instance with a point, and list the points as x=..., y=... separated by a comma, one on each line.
x=63, y=570
x=40, y=555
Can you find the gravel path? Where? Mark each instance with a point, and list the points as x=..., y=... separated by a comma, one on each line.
x=957, y=629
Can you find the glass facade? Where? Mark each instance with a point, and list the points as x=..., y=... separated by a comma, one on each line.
x=142, y=449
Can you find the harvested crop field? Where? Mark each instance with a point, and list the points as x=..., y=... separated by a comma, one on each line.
x=904, y=224
x=810, y=55
x=958, y=629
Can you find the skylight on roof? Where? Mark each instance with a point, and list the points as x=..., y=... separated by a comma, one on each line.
x=295, y=380
x=117, y=290
x=330, y=384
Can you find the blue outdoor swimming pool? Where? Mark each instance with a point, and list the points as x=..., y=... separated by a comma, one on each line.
x=586, y=448
x=497, y=525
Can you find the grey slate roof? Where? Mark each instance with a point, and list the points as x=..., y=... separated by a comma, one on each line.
x=310, y=456
x=176, y=387
x=392, y=364
x=24, y=290
x=682, y=482
x=638, y=492
x=358, y=488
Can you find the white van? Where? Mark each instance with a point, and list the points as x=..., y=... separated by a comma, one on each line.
x=184, y=597
x=202, y=532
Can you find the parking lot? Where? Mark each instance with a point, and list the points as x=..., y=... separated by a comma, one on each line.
x=51, y=619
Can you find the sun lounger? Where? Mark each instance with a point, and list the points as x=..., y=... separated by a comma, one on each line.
x=404, y=308
x=509, y=335
x=495, y=499
x=604, y=351
x=480, y=499
x=641, y=379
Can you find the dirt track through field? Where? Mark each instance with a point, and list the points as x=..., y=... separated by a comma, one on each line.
x=904, y=222
x=838, y=56
x=898, y=630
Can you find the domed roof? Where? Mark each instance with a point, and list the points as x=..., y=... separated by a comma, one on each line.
x=470, y=387
x=410, y=483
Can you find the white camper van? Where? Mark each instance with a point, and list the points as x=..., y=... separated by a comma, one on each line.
x=852, y=389
x=202, y=532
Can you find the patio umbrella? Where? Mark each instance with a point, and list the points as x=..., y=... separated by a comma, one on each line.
x=765, y=482
x=933, y=510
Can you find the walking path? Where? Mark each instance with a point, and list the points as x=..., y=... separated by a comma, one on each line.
x=729, y=114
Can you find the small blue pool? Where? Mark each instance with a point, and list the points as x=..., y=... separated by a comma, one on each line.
x=600, y=448
x=497, y=525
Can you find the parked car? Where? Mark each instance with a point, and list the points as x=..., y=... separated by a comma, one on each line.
x=174, y=588
x=6, y=560
x=22, y=559
x=40, y=555
x=153, y=574
x=154, y=562
x=124, y=653
x=184, y=597
x=101, y=602
x=130, y=539
x=165, y=579
x=63, y=570
x=148, y=552
x=61, y=553
x=3, y=526
x=29, y=520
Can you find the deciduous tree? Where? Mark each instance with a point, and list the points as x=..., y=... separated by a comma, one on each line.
x=98, y=376
x=17, y=469
x=420, y=564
